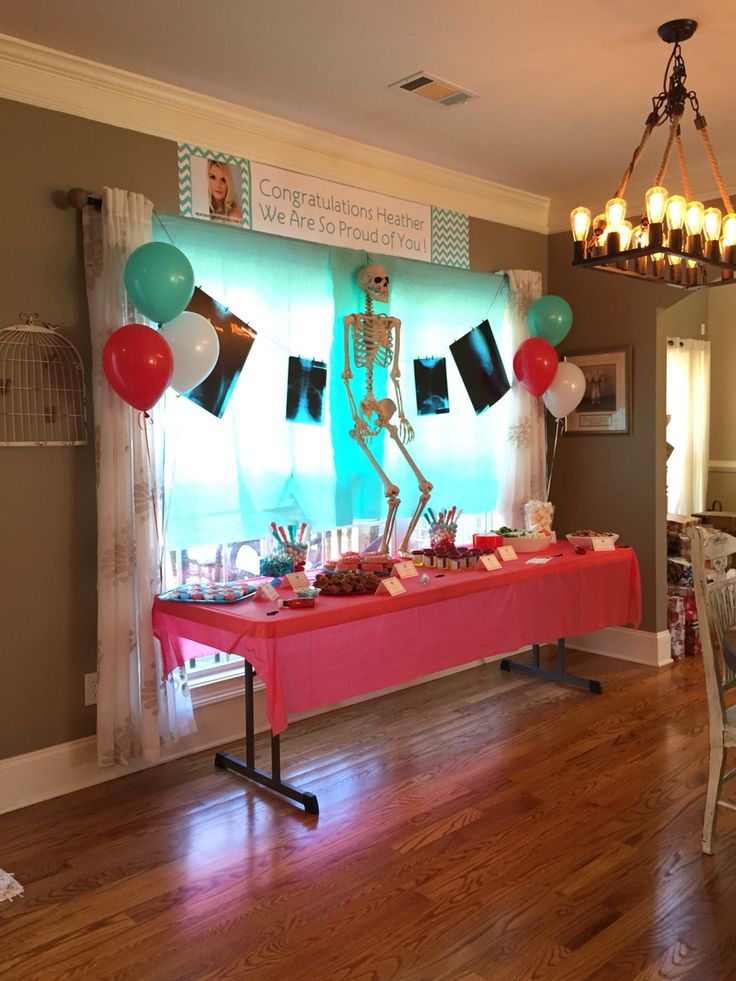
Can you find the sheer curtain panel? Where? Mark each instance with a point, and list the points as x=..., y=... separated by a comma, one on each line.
x=688, y=431
x=523, y=449
x=137, y=710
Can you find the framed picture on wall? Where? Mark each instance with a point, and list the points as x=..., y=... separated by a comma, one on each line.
x=606, y=404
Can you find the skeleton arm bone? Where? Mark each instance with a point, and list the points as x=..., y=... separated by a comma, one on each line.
x=406, y=433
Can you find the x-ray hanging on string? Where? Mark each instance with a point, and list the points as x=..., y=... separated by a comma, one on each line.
x=481, y=368
x=236, y=339
x=430, y=380
x=306, y=390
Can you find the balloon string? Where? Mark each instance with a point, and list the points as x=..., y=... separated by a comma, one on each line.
x=558, y=427
x=144, y=418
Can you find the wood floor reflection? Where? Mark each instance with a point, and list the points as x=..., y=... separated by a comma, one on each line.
x=485, y=826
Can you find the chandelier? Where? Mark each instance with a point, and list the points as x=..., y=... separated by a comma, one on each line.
x=677, y=241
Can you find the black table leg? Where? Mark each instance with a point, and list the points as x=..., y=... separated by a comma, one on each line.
x=559, y=675
x=247, y=768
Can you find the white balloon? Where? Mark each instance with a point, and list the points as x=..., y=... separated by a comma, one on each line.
x=195, y=346
x=566, y=391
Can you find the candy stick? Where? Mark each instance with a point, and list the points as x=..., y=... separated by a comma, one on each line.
x=430, y=512
x=428, y=519
x=302, y=530
x=450, y=514
x=457, y=516
x=283, y=535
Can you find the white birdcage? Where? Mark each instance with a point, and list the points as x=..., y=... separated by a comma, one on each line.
x=42, y=396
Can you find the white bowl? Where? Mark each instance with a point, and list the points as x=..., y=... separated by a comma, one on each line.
x=585, y=541
x=536, y=544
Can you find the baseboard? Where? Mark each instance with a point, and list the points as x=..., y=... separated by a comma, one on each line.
x=641, y=646
x=67, y=767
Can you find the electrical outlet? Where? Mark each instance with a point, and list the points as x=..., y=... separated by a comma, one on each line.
x=90, y=688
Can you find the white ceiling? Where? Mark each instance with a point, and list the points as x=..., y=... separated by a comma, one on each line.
x=565, y=86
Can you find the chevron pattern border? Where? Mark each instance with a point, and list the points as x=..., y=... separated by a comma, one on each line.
x=450, y=238
x=185, y=151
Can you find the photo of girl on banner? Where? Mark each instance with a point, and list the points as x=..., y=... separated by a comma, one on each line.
x=216, y=189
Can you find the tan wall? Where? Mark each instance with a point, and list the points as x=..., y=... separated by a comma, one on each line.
x=617, y=482
x=722, y=335
x=47, y=496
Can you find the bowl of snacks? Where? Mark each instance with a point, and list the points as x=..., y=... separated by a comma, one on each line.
x=584, y=538
x=525, y=541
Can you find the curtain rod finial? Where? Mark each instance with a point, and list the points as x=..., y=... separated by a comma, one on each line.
x=78, y=197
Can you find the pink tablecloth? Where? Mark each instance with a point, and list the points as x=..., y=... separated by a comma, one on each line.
x=347, y=646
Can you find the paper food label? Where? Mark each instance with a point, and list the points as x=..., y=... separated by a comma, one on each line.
x=489, y=562
x=538, y=561
x=392, y=586
x=506, y=552
x=603, y=544
x=266, y=591
x=297, y=580
x=405, y=570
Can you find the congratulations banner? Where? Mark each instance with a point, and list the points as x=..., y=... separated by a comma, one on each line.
x=219, y=187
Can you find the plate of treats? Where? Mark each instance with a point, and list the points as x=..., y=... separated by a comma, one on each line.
x=353, y=583
x=525, y=541
x=584, y=538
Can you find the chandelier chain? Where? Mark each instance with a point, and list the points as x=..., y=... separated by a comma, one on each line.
x=725, y=197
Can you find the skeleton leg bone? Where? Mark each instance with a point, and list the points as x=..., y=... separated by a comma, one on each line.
x=425, y=488
x=390, y=490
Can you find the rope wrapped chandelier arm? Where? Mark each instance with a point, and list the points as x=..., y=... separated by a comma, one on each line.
x=677, y=240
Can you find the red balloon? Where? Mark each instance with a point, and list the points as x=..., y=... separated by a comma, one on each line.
x=535, y=365
x=138, y=363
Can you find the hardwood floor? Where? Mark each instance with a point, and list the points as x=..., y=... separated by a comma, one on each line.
x=485, y=826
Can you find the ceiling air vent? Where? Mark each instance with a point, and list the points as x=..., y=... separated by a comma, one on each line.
x=434, y=89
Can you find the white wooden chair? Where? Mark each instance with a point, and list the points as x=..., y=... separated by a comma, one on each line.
x=715, y=596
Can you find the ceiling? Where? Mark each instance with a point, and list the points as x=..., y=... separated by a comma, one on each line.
x=565, y=87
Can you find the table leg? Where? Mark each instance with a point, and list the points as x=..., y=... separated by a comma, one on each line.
x=247, y=768
x=559, y=675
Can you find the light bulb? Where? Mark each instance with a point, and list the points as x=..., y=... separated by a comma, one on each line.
x=674, y=260
x=728, y=229
x=694, y=217
x=640, y=237
x=600, y=230
x=676, y=205
x=656, y=202
x=615, y=212
x=712, y=223
x=624, y=234
x=580, y=222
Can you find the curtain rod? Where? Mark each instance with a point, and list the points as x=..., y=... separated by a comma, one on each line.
x=78, y=198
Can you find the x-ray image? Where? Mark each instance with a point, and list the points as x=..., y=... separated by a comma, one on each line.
x=430, y=379
x=480, y=366
x=306, y=390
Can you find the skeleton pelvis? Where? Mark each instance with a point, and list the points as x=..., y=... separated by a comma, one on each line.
x=382, y=408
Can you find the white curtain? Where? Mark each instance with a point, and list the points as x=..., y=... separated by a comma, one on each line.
x=688, y=430
x=137, y=710
x=524, y=450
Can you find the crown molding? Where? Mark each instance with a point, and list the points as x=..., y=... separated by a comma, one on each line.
x=40, y=76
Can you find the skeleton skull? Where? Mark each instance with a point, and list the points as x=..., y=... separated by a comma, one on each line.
x=373, y=280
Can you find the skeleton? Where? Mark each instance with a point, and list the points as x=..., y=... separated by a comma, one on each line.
x=376, y=341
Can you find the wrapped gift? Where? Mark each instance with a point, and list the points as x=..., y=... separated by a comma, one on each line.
x=676, y=625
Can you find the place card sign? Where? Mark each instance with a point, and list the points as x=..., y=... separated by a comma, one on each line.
x=392, y=586
x=405, y=570
x=540, y=560
x=507, y=553
x=266, y=591
x=606, y=544
x=489, y=562
x=297, y=580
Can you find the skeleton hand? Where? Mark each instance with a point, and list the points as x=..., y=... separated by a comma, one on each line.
x=361, y=428
x=406, y=433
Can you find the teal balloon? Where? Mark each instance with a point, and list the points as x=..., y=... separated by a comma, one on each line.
x=159, y=279
x=550, y=317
